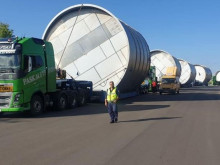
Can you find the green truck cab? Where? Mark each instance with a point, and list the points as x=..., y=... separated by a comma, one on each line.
x=28, y=78
x=146, y=85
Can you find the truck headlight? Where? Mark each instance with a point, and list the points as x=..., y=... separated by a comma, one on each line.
x=17, y=98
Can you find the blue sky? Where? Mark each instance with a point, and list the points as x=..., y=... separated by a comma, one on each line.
x=188, y=29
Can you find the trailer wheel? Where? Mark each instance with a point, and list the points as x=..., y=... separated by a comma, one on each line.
x=61, y=103
x=73, y=102
x=82, y=98
x=37, y=105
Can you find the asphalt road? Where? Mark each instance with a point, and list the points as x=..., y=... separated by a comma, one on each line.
x=179, y=129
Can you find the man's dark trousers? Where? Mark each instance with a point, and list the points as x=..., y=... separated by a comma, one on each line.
x=113, y=111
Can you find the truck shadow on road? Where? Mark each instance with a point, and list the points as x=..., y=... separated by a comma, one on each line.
x=90, y=109
x=149, y=119
x=202, y=88
x=94, y=109
x=199, y=96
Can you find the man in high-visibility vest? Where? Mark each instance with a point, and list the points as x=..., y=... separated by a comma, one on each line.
x=111, y=102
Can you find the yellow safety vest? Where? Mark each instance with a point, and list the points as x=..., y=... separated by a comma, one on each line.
x=112, y=95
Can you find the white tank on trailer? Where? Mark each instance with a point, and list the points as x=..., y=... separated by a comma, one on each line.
x=90, y=43
x=162, y=60
x=188, y=73
x=203, y=75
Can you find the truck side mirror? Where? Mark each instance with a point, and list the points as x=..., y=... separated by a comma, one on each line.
x=29, y=64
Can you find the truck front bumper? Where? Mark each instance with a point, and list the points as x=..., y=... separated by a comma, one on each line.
x=16, y=109
x=12, y=109
x=167, y=90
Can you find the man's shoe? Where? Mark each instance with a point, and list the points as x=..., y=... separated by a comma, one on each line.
x=116, y=120
x=112, y=121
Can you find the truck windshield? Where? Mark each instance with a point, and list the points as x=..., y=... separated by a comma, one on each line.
x=168, y=80
x=9, y=62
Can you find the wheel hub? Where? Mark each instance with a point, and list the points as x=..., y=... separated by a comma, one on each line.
x=37, y=106
x=62, y=102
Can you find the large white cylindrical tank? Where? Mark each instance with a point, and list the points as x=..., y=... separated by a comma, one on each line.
x=90, y=43
x=162, y=60
x=203, y=75
x=188, y=73
x=217, y=76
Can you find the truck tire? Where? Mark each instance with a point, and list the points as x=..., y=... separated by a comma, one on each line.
x=82, y=98
x=73, y=102
x=37, y=105
x=61, y=103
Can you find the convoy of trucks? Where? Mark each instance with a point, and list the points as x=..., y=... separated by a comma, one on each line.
x=30, y=82
x=100, y=48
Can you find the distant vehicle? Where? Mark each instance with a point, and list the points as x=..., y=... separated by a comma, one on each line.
x=147, y=85
x=30, y=82
x=170, y=82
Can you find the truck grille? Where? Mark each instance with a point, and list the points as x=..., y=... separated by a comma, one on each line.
x=5, y=99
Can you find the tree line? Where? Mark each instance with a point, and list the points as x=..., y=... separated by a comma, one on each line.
x=5, y=31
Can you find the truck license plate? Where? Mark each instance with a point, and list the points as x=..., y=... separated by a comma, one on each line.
x=6, y=88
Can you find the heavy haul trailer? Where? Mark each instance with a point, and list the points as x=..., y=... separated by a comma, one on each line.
x=28, y=79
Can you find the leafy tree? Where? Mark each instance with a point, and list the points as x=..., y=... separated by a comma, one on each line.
x=5, y=32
